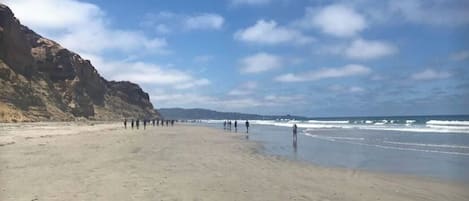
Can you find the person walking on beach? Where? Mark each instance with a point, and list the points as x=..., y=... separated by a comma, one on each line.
x=229, y=125
x=132, y=123
x=224, y=125
x=236, y=126
x=157, y=122
x=295, y=128
x=247, y=126
x=137, y=123
x=172, y=122
x=125, y=123
x=153, y=122
x=144, y=124
x=167, y=123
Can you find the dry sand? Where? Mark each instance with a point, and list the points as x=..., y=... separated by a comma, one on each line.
x=70, y=161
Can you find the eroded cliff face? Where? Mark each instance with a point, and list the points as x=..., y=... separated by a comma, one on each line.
x=41, y=80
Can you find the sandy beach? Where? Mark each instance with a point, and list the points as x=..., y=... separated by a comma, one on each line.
x=103, y=161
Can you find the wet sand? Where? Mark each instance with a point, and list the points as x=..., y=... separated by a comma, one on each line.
x=80, y=161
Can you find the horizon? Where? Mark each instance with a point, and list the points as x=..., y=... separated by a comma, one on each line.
x=308, y=58
x=310, y=117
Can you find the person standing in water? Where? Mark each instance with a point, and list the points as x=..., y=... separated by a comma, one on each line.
x=236, y=126
x=295, y=128
x=125, y=123
x=132, y=123
x=247, y=126
x=224, y=125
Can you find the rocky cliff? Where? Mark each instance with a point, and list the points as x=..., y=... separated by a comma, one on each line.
x=41, y=80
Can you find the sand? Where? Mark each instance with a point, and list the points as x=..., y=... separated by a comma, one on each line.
x=80, y=161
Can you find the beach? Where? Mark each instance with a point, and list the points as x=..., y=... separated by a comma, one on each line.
x=104, y=161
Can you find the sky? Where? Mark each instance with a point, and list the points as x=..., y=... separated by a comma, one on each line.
x=316, y=58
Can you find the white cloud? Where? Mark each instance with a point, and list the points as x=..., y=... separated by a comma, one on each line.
x=337, y=20
x=203, y=58
x=260, y=62
x=346, y=89
x=364, y=49
x=82, y=27
x=432, y=12
x=190, y=100
x=204, y=21
x=268, y=32
x=430, y=74
x=146, y=73
x=250, y=2
x=324, y=73
x=166, y=22
x=244, y=89
x=460, y=56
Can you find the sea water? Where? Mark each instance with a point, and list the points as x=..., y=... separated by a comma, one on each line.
x=429, y=146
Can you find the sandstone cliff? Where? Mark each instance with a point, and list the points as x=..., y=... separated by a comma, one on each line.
x=41, y=80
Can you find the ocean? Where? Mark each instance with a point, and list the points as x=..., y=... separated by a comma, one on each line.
x=427, y=146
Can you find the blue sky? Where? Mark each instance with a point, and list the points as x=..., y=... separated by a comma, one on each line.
x=310, y=57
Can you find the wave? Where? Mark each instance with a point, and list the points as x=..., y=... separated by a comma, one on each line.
x=453, y=123
x=404, y=125
x=387, y=147
x=428, y=145
x=328, y=122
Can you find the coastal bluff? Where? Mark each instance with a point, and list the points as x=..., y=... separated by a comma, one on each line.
x=42, y=81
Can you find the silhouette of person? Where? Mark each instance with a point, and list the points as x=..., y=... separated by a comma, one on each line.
x=172, y=122
x=236, y=126
x=144, y=124
x=167, y=123
x=132, y=123
x=224, y=125
x=153, y=122
x=247, y=126
x=157, y=122
x=125, y=123
x=137, y=123
x=295, y=128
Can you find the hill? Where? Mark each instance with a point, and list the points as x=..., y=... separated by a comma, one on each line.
x=41, y=80
x=197, y=113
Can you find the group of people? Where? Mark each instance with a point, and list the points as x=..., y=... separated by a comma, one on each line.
x=157, y=122
x=227, y=125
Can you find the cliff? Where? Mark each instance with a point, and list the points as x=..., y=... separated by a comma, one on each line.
x=40, y=80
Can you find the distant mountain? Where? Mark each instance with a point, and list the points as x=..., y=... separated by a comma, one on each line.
x=197, y=113
x=41, y=80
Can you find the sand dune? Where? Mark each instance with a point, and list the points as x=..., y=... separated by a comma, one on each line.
x=69, y=161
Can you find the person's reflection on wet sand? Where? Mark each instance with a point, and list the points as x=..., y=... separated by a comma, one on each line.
x=295, y=146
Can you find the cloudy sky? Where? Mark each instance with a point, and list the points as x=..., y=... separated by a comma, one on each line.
x=303, y=57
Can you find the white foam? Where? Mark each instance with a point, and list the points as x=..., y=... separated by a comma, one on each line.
x=428, y=145
x=454, y=123
x=328, y=122
x=431, y=126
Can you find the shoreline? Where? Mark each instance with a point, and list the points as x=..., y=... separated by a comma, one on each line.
x=184, y=162
x=260, y=149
